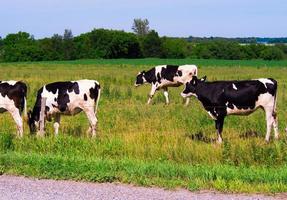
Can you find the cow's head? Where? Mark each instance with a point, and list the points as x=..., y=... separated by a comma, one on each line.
x=191, y=86
x=140, y=79
x=32, y=122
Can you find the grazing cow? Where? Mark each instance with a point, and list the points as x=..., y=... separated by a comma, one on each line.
x=164, y=76
x=68, y=98
x=13, y=99
x=222, y=98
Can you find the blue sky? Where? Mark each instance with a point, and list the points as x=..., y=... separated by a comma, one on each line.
x=228, y=18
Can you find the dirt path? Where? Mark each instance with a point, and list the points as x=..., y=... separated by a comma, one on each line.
x=13, y=187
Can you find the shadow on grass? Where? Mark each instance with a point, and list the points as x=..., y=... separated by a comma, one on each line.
x=250, y=134
x=200, y=137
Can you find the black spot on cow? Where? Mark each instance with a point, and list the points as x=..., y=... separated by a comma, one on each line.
x=63, y=87
x=158, y=78
x=94, y=92
x=85, y=97
x=47, y=109
x=55, y=99
x=169, y=72
x=150, y=76
x=179, y=73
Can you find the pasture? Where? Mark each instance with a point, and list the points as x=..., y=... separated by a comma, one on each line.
x=170, y=146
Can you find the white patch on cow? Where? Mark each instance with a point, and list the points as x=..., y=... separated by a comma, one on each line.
x=211, y=115
x=187, y=72
x=265, y=100
x=7, y=104
x=188, y=95
x=264, y=81
x=11, y=82
x=234, y=86
x=50, y=101
x=237, y=111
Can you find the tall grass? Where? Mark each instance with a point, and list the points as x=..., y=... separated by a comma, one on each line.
x=160, y=138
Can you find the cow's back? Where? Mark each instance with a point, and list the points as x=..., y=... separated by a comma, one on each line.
x=13, y=92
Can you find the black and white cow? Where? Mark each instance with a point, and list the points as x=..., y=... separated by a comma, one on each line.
x=222, y=98
x=13, y=99
x=164, y=76
x=68, y=98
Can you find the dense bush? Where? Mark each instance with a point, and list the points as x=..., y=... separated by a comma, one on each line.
x=103, y=43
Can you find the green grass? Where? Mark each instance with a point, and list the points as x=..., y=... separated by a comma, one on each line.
x=157, y=61
x=149, y=145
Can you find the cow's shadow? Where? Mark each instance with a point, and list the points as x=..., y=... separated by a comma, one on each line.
x=199, y=136
x=250, y=134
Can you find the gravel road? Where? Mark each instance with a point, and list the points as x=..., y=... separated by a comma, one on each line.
x=13, y=187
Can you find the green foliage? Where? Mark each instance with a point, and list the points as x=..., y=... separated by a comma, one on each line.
x=272, y=53
x=174, y=48
x=141, y=26
x=20, y=47
x=104, y=43
x=6, y=142
x=151, y=44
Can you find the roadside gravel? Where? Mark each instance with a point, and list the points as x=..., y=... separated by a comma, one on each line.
x=22, y=188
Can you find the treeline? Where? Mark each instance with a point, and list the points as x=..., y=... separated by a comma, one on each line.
x=103, y=43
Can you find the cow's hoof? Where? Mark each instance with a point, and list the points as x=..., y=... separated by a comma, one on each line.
x=219, y=141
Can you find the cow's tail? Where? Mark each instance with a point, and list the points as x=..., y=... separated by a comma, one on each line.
x=98, y=99
x=25, y=108
x=275, y=97
x=24, y=100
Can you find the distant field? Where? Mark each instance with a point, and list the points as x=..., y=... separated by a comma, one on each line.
x=149, y=145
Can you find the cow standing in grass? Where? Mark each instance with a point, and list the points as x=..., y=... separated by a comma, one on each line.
x=68, y=98
x=222, y=98
x=164, y=76
x=13, y=99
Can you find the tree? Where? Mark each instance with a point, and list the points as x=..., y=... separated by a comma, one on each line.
x=174, y=48
x=1, y=49
x=68, y=45
x=141, y=27
x=151, y=45
x=20, y=46
x=272, y=53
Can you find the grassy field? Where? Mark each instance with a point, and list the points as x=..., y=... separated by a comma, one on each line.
x=149, y=145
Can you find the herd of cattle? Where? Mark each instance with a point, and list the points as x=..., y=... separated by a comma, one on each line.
x=219, y=98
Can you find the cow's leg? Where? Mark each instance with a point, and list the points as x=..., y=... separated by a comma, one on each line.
x=270, y=121
x=275, y=126
x=187, y=101
x=92, y=120
x=219, y=127
x=152, y=91
x=165, y=93
x=18, y=120
x=57, y=123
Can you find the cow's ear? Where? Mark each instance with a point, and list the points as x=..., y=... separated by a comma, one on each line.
x=193, y=80
x=203, y=79
x=143, y=72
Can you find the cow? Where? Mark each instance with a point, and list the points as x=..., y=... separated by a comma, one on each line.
x=13, y=99
x=67, y=98
x=164, y=76
x=222, y=98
